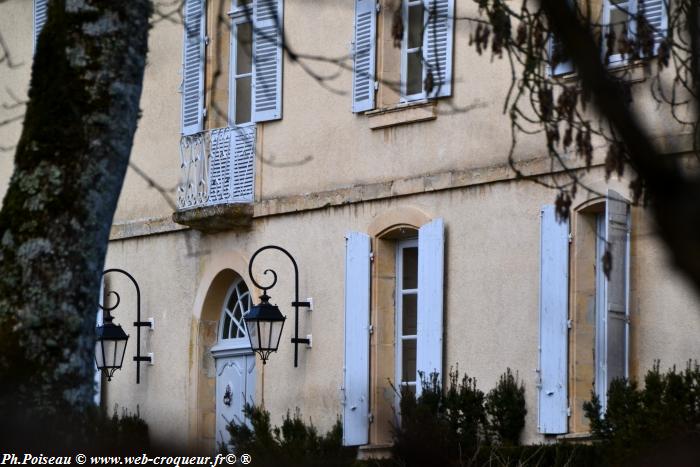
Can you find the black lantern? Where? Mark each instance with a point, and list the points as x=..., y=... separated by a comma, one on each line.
x=264, y=323
x=110, y=346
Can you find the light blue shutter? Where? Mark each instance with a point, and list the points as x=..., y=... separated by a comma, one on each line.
x=41, y=10
x=193, y=67
x=655, y=13
x=431, y=246
x=437, y=45
x=617, y=223
x=356, y=367
x=267, y=60
x=554, y=305
x=364, y=55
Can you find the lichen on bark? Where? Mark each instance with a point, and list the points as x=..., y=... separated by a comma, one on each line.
x=70, y=164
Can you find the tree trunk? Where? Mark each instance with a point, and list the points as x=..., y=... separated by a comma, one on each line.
x=54, y=225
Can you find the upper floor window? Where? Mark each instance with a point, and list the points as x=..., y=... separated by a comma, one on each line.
x=252, y=62
x=423, y=57
x=241, y=86
x=628, y=28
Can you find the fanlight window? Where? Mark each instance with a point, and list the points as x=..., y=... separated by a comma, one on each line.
x=236, y=306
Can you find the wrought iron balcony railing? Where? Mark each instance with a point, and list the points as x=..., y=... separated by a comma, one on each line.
x=217, y=167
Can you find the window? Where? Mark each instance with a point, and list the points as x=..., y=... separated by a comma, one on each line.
x=406, y=313
x=398, y=328
x=423, y=63
x=412, y=82
x=241, y=65
x=620, y=18
x=254, y=63
x=236, y=306
x=588, y=336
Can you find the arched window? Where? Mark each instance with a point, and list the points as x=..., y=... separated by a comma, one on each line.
x=236, y=306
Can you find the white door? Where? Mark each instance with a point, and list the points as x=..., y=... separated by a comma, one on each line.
x=235, y=363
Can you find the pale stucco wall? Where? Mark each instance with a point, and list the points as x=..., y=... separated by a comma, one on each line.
x=492, y=258
x=491, y=298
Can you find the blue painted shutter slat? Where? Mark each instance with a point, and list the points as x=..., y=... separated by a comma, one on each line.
x=193, y=67
x=364, y=55
x=431, y=247
x=617, y=221
x=268, y=24
x=356, y=366
x=41, y=10
x=437, y=45
x=554, y=303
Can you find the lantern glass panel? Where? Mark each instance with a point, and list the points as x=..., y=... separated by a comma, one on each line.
x=99, y=357
x=276, y=333
x=109, y=348
x=253, y=334
x=120, y=350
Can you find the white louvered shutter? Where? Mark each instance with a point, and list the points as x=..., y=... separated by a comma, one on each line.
x=437, y=45
x=41, y=10
x=364, y=55
x=554, y=304
x=244, y=164
x=431, y=247
x=267, y=60
x=356, y=366
x=193, y=67
x=655, y=13
x=617, y=223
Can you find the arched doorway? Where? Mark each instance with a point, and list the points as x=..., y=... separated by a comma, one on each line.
x=234, y=361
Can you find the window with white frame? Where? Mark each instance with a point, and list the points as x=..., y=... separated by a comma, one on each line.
x=407, y=314
x=412, y=80
x=598, y=318
x=620, y=18
x=425, y=53
x=236, y=305
x=410, y=310
x=241, y=64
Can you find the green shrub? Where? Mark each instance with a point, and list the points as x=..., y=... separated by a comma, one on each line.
x=293, y=444
x=505, y=407
x=662, y=419
x=440, y=428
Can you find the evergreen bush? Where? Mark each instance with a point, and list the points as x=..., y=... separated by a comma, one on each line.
x=660, y=421
x=293, y=444
x=505, y=407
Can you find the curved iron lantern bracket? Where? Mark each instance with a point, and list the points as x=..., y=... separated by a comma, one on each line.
x=296, y=340
x=138, y=323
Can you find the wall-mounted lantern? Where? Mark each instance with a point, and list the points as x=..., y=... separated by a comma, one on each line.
x=264, y=321
x=110, y=343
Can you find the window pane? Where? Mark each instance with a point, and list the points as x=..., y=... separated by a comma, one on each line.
x=415, y=26
x=244, y=48
x=410, y=316
x=408, y=360
x=618, y=18
x=414, y=80
x=410, y=268
x=243, y=100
